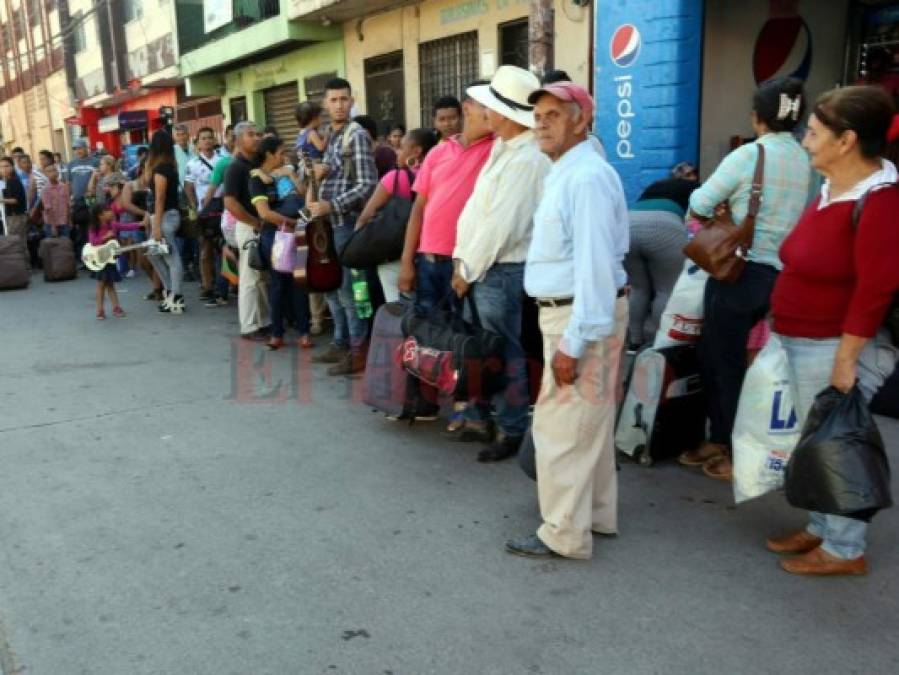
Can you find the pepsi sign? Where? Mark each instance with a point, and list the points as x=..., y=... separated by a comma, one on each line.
x=647, y=81
x=624, y=47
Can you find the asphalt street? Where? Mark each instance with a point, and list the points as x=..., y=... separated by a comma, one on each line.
x=174, y=502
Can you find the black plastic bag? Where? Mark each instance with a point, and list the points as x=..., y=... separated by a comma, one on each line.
x=840, y=466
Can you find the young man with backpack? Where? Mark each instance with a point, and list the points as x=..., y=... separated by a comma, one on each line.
x=349, y=176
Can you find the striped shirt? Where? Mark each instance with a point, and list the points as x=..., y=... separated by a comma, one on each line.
x=784, y=192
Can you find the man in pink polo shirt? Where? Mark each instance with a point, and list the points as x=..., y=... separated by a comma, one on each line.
x=443, y=185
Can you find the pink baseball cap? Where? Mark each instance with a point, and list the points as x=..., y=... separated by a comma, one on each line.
x=567, y=91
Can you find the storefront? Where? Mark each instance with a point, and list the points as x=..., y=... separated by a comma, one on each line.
x=676, y=83
x=130, y=122
x=267, y=92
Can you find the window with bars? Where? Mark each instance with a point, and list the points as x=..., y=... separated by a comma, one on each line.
x=513, y=43
x=446, y=66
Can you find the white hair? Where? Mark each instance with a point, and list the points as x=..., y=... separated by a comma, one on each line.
x=574, y=110
x=243, y=127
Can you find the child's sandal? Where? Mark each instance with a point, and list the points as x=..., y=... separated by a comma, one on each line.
x=100, y=315
x=118, y=312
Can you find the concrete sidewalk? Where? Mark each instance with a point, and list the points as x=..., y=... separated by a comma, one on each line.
x=164, y=510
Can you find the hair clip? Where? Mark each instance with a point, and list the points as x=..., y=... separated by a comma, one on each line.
x=789, y=106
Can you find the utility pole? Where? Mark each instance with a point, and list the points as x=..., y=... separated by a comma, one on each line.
x=540, y=37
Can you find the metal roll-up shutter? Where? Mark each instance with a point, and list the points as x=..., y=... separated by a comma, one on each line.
x=280, y=108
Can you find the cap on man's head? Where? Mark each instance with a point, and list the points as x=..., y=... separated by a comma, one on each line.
x=568, y=92
x=79, y=143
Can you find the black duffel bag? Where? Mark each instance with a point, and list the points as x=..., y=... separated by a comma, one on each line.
x=461, y=359
x=381, y=240
x=839, y=466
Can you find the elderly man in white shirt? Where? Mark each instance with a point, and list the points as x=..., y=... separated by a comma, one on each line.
x=575, y=271
x=494, y=232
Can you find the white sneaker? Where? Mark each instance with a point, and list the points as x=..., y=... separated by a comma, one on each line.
x=177, y=304
x=165, y=304
x=130, y=274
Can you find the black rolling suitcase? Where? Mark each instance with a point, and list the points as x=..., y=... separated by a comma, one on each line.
x=664, y=411
x=387, y=386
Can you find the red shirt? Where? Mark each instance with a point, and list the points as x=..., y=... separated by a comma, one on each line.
x=447, y=178
x=835, y=279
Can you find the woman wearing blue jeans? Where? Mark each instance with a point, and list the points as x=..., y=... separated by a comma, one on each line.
x=162, y=173
x=839, y=279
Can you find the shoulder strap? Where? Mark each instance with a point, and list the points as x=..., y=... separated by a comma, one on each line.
x=758, y=179
x=349, y=166
x=860, y=203
x=755, y=198
x=208, y=165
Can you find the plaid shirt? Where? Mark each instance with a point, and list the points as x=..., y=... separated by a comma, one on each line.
x=348, y=197
x=784, y=191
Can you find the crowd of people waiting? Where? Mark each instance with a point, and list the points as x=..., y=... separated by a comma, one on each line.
x=514, y=203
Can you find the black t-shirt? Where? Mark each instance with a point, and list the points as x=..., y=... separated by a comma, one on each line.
x=260, y=190
x=677, y=190
x=170, y=173
x=237, y=183
x=15, y=190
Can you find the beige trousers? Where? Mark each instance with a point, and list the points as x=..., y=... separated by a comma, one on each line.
x=252, y=291
x=574, y=429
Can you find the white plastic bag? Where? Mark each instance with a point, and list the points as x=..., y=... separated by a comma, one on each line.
x=681, y=322
x=766, y=429
x=229, y=229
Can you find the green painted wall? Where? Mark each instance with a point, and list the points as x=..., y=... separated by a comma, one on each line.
x=292, y=67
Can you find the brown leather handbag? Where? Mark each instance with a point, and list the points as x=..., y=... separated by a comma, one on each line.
x=720, y=247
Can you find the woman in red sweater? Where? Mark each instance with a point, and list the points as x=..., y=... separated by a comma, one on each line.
x=838, y=281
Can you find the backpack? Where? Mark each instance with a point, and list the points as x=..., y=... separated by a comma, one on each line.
x=891, y=320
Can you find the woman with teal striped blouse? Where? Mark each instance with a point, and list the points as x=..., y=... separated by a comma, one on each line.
x=731, y=310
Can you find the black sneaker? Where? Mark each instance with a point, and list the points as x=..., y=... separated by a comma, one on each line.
x=468, y=433
x=216, y=301
x=206, y=296
x=502, y=448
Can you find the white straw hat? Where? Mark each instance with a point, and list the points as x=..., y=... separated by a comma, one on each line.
x=507, y=94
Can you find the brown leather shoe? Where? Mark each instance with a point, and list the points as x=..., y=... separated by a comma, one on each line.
x=819, y=562
x=719, y=467
x=798, y=542
x=702, y=454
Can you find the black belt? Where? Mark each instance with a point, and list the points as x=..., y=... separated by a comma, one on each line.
x=565, y=302
x=436, y=257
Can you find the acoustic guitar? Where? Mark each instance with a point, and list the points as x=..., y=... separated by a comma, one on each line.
x=318, y=267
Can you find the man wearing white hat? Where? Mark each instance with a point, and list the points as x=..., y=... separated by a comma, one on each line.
x=492, y=241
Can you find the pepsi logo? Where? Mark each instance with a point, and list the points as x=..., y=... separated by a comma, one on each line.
x=783, y=48
x=625, y=46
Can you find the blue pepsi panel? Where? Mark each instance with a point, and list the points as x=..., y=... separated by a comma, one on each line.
x=648, y=82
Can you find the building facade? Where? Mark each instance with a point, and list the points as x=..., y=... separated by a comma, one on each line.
x=400, y=59
x=257, y=61
x=122, y=67
x=34, y=98
x=675, y=79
